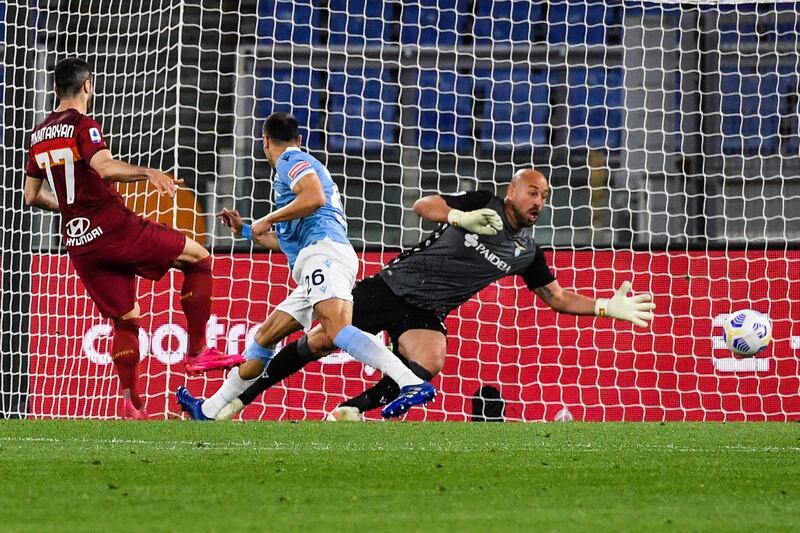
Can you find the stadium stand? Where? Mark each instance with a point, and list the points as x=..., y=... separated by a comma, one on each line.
x=364, y=111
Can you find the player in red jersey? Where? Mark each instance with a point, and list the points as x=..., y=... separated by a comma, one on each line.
x=109, y=245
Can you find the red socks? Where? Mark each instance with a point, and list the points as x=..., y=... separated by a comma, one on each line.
x=196, y=293
x=125, y=354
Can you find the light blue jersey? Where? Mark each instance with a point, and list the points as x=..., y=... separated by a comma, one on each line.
x=327, y=222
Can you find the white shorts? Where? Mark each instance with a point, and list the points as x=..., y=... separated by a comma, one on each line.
x=322, y=271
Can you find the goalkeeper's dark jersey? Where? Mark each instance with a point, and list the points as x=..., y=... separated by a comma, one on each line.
x=451, y=265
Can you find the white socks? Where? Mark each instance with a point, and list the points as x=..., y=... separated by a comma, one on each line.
x=229, y=391
x=371, y=351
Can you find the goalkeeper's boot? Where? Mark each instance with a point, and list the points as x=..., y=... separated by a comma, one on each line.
x=132, y=413
x=410, y=395
x=190, y=405
x=345, y=413
x=211, y=359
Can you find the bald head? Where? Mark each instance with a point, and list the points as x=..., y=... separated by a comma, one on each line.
x=527, y=175
x=526, y=197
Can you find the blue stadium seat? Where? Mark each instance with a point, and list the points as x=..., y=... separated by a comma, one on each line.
x=297, y=91
x=2, y=91
x=365, y=114
x=445, y=111
x=738, y=29
x=432, y=23
x=614, y=104
x=360, y=22
x=731, y=108
x=746, y=23
x=516, y=108
x=788, y=26
x=657, y=7
x=769, y=113
x=576, y=22
x=595, y=20
x=788, y=78
x=507, y=20
x=577, y=95
x=667, y=11
x=750, y=99
x=750, y=112
x=788, y=83
x=532, y=106
x=288, y=22
x=594, y=107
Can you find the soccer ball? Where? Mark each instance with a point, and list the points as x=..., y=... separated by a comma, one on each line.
x=747, y=332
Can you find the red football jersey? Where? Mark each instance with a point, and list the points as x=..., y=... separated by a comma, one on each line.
x=61, y=148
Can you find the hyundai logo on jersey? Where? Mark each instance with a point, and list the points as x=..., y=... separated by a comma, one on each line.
x=77, y=227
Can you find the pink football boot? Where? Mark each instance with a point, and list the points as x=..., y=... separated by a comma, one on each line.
x=132, y=413
x=211, y=359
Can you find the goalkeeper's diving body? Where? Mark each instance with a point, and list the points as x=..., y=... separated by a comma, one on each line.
x=310, y=229
x=482, y=238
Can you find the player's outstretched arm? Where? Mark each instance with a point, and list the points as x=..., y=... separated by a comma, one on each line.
x=114, y=170
x=481, y=221
x=37, y=196
x=309, y=196
x=636, y=309
x=234, y=221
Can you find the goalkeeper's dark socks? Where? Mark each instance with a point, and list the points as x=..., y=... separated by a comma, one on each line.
x=378, y=395
x=385, y=390
x=292, y=358
x=420, y=371
x=125, y=355
x=196, y=291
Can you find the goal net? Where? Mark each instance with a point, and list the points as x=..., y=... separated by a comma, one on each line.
x=669, y=133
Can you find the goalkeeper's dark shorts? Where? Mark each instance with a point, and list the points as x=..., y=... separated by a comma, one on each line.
x=376, y=308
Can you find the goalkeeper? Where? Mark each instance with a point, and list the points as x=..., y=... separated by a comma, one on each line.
x=483, y=238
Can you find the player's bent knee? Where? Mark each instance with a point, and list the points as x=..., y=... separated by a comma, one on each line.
x=432, y=362
x=318, y=352
x=320, y=344
x=134, y=313
x=332, y=325
x=250, y=369
x=334, y=315
x=193, y=252
x=426, y=348
x=436, y=362
x=203, y=266
x=278, y=325
x=332, y=329
x=264, y=336
x=127, y=324
x=269, y=336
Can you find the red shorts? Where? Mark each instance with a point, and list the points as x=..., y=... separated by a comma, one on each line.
x=137, y=247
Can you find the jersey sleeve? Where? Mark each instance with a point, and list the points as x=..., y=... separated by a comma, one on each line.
x=89, y=139
x=292, y=169
x=538, y=273
x=32, y=169
x=467, y=200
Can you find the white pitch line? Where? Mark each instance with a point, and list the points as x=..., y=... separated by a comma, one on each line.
x=431, y=446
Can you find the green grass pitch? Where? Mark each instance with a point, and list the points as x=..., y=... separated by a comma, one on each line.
x=380, y=477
